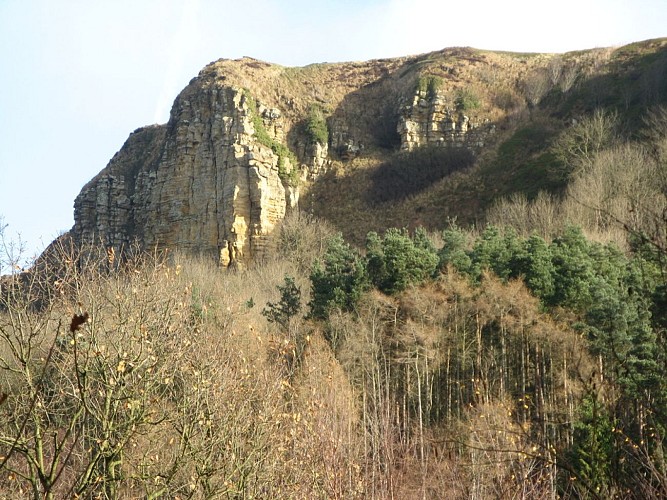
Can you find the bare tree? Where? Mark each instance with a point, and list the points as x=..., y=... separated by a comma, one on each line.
x=536, y=85
x=555, y=70
x=579, y=144
x=568, y=77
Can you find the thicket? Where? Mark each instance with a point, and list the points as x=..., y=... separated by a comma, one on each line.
x=466, y=100
x=156, y=377
x=489, y=365
x=615, y=187
x=606, y=431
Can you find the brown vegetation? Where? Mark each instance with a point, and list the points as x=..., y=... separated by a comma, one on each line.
x=173, y=384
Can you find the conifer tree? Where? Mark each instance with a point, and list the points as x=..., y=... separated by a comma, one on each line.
x=338, y=281
x=396, y=261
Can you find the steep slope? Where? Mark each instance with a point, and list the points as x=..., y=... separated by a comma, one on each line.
x=241, y=146
x=201, y=183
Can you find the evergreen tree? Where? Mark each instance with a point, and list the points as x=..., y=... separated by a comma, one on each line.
x=592, y=455
x=574, y=272
x=453, y=251
x=396, y=261
x=534, y=263
x=338, y=281
x=288, y=306
x=497, y=251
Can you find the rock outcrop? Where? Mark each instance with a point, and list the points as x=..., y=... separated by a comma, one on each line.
x=431, y=120
x=218, y=178
x=203, y=183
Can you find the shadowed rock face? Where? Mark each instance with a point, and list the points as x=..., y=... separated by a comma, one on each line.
x=201, y=183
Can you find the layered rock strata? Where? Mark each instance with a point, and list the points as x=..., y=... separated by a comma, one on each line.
x=432, y=120
x=202, y=183
x=219, y=177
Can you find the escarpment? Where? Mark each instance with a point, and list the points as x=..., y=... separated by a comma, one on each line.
x=202, y=183
x=245, y=139
x=219, y=177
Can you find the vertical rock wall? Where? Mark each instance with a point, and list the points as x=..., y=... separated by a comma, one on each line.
x=201, y=184
x=208, y=183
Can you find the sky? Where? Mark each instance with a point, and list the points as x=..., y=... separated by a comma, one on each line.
x=78, y=76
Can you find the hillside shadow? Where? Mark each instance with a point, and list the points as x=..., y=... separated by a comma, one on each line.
x=407, y=174
x=633, y=84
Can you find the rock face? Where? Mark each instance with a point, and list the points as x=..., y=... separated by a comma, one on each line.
x=432, y=120
x=219, y=177
x=202, y=183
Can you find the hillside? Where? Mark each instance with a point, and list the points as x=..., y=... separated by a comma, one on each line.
x=248, y=141
x=439, y=276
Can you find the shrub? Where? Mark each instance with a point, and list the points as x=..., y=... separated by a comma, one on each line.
x=466, y=100
x=287, y=307
x=316, y=125
x=429, y=84
x=169, y=386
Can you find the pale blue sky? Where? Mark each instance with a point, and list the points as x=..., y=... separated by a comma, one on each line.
x=77, y=76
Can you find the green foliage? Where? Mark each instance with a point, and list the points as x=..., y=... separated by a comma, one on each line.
x=620, y=329
x=261, y=134
x=338, y=280
x=290, y=176
x=593, y=452
x=429, y=84
x=421, y=240
x=496, y=251
x=200, y=304
x=454, y=251
x=287, y=307
x=316, y=125
x=613, y=295
x=535, y=264
x=510, y=257
x=396, y=261
x=614, y=301
x=574, y=271
x=466, y=100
